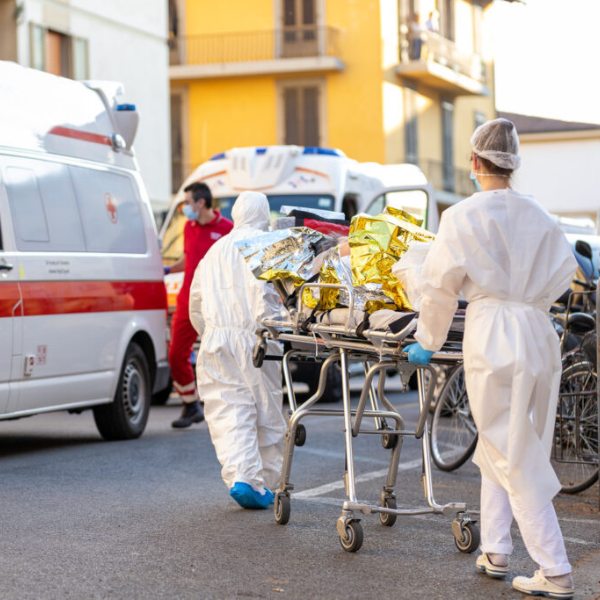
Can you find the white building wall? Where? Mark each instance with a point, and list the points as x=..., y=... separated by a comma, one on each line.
x=127, y=42
x=562, y=175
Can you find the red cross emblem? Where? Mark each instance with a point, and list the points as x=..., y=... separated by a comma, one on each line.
x=111, y=208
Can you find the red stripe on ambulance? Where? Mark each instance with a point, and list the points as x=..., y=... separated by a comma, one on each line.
x=84, y=136
x=71, y=297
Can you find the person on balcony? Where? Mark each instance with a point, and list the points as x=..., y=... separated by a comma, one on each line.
x=415, y=37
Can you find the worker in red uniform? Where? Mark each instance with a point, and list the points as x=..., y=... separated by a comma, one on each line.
x=205, y=226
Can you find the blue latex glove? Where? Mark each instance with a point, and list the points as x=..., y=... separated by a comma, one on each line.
x=418, y=355
x=167, y=270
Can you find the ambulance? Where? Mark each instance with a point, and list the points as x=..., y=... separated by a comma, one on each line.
x=82, y=301
x=309, y=177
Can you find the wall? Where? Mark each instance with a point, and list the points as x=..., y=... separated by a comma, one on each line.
x=127, y=43
x=562, y=175
x=355, y=96
x=228, y=113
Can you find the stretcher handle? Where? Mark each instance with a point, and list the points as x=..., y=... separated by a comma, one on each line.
x=338, y=286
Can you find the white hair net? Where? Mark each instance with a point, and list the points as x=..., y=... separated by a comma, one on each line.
x=498, y=142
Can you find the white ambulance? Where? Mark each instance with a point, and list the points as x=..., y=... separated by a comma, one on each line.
x=82, y=299
x=301, y=176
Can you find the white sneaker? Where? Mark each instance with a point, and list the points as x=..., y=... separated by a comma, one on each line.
x=484, y=564
x=538, y=585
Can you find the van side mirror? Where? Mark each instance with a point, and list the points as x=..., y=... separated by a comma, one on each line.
x=584, y=249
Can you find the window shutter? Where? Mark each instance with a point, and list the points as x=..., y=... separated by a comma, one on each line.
x=292, y=116
x=311, y=116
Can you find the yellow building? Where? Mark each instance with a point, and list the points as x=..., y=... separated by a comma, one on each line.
x=388, y=81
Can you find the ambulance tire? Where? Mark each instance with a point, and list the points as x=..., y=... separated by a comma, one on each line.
x=126, y=416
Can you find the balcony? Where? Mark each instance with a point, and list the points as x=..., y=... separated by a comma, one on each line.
x=441, y=64
x=447, y=178
x=297, y=50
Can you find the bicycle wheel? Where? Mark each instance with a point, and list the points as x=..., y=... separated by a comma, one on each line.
x=443, y=372
x=453, y=432
x=575, y=449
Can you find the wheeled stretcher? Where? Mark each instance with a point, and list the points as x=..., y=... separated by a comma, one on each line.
x=337, y=338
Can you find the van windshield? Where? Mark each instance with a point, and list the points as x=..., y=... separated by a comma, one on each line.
x=172, y=242
x=322, y=201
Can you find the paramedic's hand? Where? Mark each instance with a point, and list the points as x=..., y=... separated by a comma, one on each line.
x=418, y=355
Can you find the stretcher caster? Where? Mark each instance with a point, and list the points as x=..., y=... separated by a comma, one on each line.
x=389, y=441
x=259, y=352
x=300, y=438
x=466, y=535
x=352, y=539
x=282, y=508
x=388, y=519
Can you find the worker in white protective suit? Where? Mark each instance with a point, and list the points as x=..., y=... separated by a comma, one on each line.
x=242, y=404
x=511, y=261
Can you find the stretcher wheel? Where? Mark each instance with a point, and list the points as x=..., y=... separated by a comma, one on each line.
x=282, y=508
x=353, y=538
x=469, y=541
x=258, y=355
x=300, y=438
x=385, y=518
x=389, y=441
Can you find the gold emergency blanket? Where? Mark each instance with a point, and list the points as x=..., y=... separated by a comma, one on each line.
x=376, y=244
x=284, y=253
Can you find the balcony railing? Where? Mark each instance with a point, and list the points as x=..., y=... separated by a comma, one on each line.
x=448, y=178
x=301, y=42
x=442, y=51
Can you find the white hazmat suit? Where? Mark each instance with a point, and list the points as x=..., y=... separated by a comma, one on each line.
x=242, y=404
x=511, y=261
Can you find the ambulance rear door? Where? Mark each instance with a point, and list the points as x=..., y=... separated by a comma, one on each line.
x=10, y=306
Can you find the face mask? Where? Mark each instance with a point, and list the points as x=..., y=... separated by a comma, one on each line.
x=474, y=179
x=190, y=213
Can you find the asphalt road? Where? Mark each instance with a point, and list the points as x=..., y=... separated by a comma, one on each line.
x=151, y=518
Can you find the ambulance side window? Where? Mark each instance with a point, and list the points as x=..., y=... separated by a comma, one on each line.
x=43, y=207
x=27, y=209
x=110, y=212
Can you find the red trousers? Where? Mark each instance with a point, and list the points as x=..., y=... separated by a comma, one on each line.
x=183, y=336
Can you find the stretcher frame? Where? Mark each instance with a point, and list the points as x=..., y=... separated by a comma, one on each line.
x=378, y=351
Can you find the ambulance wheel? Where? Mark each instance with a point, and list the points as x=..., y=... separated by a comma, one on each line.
x=282, y=508
x=126, y=416
x=469, y=541
x=353, y=537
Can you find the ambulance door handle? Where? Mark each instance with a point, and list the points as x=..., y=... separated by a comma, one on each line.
x=5, y=267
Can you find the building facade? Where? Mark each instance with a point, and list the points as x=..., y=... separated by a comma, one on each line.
x=108, y=40
x=388, y=81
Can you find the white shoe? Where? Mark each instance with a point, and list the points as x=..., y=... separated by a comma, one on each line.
x=538, y=585
x=484, y=564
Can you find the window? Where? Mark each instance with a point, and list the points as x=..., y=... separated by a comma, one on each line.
x=58, y=53
x=448, y=144
x=43, y=206
x=177, y=149
x=447, y=19
x=411, y=126
x=110, y=212
x=27, y=209
x=413, y=202
x=301, y=109
x=479, y=118
x=299, y=28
